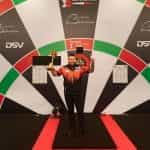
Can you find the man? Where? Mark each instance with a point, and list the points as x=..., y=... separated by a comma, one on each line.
x=72, y=74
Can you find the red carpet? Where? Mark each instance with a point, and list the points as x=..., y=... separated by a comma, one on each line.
x=118, y=136
x=47, y=136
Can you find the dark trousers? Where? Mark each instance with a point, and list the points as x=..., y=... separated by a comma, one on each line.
x=76, y=123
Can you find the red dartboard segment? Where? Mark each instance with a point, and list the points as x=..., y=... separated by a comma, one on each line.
x=1, y=99
x=47, y=136
x=121, y=140
x=5, y=5
x=147, y=3
x=134, y=61
x=67, y=3
x=86, y=43
x=25, y=61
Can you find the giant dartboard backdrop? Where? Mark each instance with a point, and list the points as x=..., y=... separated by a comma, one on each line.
x=115, y=32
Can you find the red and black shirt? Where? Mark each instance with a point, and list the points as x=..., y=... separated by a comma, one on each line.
x=72, y=77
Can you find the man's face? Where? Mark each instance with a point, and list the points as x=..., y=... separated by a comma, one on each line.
x=72, y=60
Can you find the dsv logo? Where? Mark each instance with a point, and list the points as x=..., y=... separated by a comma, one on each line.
x=143, y=43
x=14, y=44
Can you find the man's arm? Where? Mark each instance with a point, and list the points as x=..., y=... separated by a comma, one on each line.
x=86, y=67
x=53, y=70
x=89, y=66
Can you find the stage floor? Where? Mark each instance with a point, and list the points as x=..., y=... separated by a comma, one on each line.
x=35, y=132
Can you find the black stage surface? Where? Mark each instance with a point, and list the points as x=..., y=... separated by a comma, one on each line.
x=95, y=135
x=35, y=132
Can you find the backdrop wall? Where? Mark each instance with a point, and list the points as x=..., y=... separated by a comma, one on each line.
x=115, y=32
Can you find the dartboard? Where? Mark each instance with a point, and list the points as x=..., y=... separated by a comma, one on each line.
x=115, y=32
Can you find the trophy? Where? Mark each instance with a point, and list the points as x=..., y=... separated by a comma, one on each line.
x=53, y=55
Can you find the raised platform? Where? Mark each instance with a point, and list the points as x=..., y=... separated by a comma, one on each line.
x=31, y=132
x=94, y=136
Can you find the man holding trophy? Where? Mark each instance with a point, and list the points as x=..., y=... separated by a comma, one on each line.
x=72, y=74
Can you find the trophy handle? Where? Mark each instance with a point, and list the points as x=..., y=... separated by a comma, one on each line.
x=53, y=54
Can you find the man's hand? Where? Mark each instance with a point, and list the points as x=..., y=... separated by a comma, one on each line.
x=51, y=67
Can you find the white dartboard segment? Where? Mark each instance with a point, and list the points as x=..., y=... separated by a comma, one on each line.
x=42, y=20
x=97, y=80
x=23, y=93
x=136, y=93
x=5, y=66
x=116, y=19
x=58, y=81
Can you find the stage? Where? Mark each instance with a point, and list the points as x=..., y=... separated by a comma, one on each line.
x=105, y=132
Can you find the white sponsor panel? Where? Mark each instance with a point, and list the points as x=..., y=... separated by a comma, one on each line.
x=39, y=74
x=120, y=74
